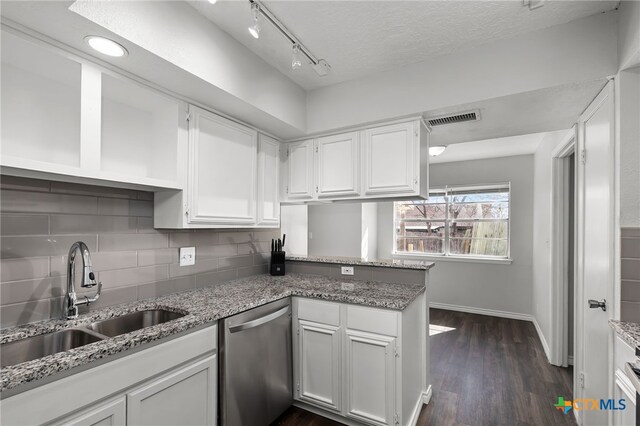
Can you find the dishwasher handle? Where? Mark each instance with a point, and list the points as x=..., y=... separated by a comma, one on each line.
x=259, y=321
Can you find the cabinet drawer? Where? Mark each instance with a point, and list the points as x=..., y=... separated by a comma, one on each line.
x=623, y=353
x=318, y=311
x=372, y=320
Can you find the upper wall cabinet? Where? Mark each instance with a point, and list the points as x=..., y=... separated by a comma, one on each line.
x=384, y=162
x=222, y=184
x=268, y=185
x=67, y=119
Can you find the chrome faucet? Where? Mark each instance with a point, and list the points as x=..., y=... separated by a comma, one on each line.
x=71, y=301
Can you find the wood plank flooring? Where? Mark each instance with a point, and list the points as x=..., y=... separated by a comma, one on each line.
x=484, y=371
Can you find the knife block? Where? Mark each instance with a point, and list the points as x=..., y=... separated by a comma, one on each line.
x=277, y=263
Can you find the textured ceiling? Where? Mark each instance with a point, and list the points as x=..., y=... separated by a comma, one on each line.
x=359, y=38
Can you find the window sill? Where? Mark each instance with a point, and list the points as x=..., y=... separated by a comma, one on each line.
x=451, y=258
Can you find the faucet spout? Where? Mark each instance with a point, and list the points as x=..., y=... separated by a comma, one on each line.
x=71, y=301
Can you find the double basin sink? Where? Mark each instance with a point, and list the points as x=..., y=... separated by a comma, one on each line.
x=35, y=347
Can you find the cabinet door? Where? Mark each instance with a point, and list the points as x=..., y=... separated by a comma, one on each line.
x=268, y=169
x=222, y=170
x=300, y=171
x=185, y=397
x=391, y=159
x=338, y=165
x=371, y=382
x=112, y=413
x=319, y=365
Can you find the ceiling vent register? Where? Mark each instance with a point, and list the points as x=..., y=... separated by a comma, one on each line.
x=456, y=118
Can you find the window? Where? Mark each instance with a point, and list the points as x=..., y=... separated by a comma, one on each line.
x=471, y=221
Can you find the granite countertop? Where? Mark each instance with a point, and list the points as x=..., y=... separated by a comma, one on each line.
x=202, y=306
x=628, y=331
x=396, y=263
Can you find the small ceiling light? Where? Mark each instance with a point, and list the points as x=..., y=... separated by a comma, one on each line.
x=434, y=151
x=254, y=28
x=213, y=1
x=106, y=46
x=533, y=4
x=295, y=58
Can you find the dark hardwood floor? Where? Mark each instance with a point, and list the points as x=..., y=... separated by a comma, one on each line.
x=484, y=371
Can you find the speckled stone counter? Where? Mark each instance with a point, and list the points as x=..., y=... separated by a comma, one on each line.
x=202, y=306
x=349, y=261
x=628, y=331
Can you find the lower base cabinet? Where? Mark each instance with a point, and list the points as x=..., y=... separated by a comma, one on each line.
x=113, y=413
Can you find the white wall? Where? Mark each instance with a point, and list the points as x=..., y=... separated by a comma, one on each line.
x=542, y=231
x=369, y=231
x=628, y=34
x=293, y=223
x=335, y=230
x=580, y=50
x=486, y=286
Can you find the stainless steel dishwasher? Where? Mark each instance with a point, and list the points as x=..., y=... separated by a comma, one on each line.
x=256, y=383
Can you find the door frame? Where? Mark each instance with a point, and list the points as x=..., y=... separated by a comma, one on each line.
x=560, y=166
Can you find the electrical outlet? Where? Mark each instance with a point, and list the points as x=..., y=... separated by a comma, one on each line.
x=187, y=256
x=347, y=270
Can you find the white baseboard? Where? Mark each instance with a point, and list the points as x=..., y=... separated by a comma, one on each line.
x=426, y=396
x=481, y=311
x=423, y=399
x=545, y=345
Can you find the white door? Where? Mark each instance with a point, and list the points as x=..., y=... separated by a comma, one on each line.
x=338, y=165
x=319, y=365
x=595, y=250
x=222, y=170
x=370, y=371
x=391, y=159
x=268, y=169
x=113, y=413
x=185, y=397
x=300, y=171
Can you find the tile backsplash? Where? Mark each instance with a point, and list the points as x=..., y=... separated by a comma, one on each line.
x=630, y=274
x=40, y=220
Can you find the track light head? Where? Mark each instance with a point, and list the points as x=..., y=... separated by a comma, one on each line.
x=254, y=28
x=296, y=62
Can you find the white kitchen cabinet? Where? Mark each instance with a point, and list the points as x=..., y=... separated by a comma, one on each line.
x=319, y=374
x=222, y=170
x=67, y=119
x=338, y=165
x=370, y=373
x=299, y=166
x=112, y=413
x=181, y=398
x=268, y=181
x=622, y=386
x=392, y=159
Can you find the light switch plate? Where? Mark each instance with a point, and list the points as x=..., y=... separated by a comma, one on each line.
x=187, y=256
x=347, y=270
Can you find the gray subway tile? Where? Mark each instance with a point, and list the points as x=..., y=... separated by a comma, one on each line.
x=74, y=224
x=198, y=239
x=130, y=276
x=312, y=268
x=254, y=247
x=630, y=291
x=41, y=202
x=236, y=237
x=630, y=311
x=22, y=313
x=630, y=232
x=630, y=248
x=252, y=270
x=144, y=195
x=158, y=256
x=115, y=242
x=24, y=224
x=399, y=276
x=201, y=266
x=29, y=290
x=223, y=250
x=161, y=288
x=24, y=268
x=100, y=261
x=110, y=297
x=48, y=245
x=100, y=191
x=261, y=258
x=212, y=278
x=235, y=262
x=24, y=184
x=145, y=225
x=121, y=207
x=630, y=269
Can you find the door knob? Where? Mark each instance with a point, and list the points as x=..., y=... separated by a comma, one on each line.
x=595, y=304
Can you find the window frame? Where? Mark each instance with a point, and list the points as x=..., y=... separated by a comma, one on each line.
x=447, y=255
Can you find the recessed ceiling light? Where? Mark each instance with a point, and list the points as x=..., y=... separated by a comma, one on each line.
x=434, y=151
x=106, y=46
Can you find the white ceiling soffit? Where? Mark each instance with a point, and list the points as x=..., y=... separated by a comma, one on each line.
x=537, y=111
x=490, y=148
x=359, y=38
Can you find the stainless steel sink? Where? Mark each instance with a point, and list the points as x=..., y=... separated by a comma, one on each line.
x=134, y=321
x=46, y=344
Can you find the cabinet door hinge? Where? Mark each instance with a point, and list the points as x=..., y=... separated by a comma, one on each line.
x=396, y=419
x=188, y=116
x=287, y=152
x=298, y=331
x=287, y=189
x=316, y=148
x=396, y=352
x=316, y=189
x=297, y=386
x=583, y=156
x=581, y=380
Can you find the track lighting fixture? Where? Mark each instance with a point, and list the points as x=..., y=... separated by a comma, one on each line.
x=254, y=28
x=295, y=59
x=258, y=10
